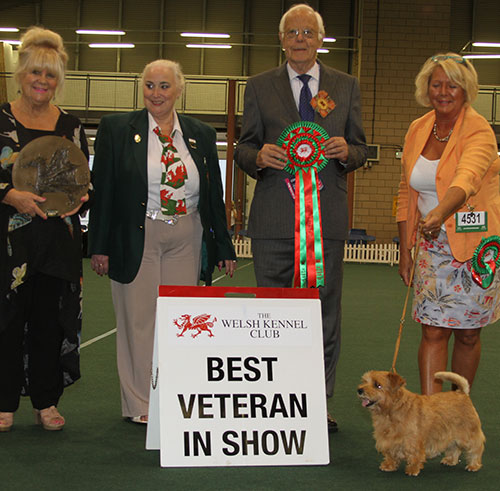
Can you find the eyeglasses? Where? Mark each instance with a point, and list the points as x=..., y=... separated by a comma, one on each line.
x=458, y=59
x=294, y=33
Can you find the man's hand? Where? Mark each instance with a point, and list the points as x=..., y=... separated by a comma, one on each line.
x=271, y=156
x=336, y=148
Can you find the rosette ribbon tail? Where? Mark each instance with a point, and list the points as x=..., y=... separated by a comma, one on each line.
x=304, y=143
x=309, y=264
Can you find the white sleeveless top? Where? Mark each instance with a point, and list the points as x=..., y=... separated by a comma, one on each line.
x=423, y=180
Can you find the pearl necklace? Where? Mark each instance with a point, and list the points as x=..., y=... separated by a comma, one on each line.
x=445, y=139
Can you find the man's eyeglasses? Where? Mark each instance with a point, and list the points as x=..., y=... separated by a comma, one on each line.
x=458, y=59
x=294, y=33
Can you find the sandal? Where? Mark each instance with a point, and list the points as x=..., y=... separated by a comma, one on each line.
x=49, y=418
x=6, y=421
x=142, y=420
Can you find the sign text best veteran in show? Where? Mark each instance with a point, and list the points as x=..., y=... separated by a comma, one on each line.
x=238, y=381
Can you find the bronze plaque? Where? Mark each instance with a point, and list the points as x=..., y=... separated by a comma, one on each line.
x=55, y=168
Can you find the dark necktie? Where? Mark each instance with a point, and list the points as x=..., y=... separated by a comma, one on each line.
x=305, y=109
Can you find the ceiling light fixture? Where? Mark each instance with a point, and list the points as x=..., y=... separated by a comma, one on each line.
x=476, y=57
x=111, y=45
x=105, y=33
x=204, y=35
x=323, y=50
x=486, y=45
x=9, y=29
x=219, y=46
x=329, y=40
x=14, y=42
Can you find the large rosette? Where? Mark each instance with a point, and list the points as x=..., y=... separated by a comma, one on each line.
x=485, y=261
x=304, y=143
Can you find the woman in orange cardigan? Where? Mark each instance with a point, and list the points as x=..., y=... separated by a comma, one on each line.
x=450, y=165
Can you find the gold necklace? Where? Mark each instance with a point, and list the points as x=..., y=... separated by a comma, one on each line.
x=445, y=139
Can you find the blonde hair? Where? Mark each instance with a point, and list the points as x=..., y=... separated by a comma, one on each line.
x=172, y=65
x=303, y=6
x=42, y=49
x=458, y=69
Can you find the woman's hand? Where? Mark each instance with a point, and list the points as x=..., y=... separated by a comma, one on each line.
x=431, y=224
x=229, y=265
x=100, y=264
x=83, y=199
x=405, y=266
x=452, y=201
x=25, y=202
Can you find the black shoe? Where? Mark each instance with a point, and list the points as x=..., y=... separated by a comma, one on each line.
x=333, y=427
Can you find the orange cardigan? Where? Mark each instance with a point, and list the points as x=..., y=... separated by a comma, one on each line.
x=470, y=161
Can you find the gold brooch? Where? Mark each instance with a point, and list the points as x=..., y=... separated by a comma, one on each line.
x=322, y=103
x=137, y=138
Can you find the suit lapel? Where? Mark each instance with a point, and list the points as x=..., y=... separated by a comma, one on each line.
x=139, y=132
x=327, y=82
x=416, y=144
x=453, y=139
x=281, y=83
x=192, y=143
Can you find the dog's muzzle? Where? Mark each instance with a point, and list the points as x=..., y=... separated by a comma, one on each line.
x=365, y=402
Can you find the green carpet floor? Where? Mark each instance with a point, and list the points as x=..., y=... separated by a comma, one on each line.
x=98, y=450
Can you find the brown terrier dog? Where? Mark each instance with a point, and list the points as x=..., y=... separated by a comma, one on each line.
x=412, y=427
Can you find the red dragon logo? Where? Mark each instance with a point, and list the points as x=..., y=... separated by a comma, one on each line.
x=198, y=323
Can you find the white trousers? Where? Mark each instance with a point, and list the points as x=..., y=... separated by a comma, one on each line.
x=172, y=256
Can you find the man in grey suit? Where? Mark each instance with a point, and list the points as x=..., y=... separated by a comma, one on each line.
x=272, y=102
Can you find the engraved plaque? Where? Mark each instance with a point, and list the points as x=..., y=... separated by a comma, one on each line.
x=55, y=168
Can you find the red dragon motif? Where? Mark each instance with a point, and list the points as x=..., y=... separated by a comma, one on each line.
x=198, y=323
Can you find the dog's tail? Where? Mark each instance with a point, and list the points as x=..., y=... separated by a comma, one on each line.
x=454, y=378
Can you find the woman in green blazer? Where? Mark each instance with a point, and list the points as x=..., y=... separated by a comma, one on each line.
x=158, y=217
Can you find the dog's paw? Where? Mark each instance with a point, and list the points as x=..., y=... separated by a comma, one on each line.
x=413, y=470
x=473, y=467
x=450, y=460
x=389, y=466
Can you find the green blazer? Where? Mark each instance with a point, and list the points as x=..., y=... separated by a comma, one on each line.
x=119, y=175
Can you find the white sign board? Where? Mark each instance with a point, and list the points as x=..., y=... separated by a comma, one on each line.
x=238, y=381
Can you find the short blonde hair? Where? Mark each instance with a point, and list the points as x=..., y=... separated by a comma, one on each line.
x=42, y=49
x=303, y=6
x=458, y=69
x=172, y=65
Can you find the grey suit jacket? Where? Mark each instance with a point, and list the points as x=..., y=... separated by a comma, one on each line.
x=269, y=109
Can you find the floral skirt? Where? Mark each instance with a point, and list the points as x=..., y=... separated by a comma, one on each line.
x=445, y=294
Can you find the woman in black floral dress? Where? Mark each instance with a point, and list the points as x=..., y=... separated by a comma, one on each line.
x=40, y=257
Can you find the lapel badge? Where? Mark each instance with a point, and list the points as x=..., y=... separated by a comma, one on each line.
x=137, y=138
x=192, y=143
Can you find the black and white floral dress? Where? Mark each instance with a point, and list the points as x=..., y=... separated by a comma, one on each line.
x=30, y=245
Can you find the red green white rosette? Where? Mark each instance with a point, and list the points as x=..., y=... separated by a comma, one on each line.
x=304, y=143
x=485, y=260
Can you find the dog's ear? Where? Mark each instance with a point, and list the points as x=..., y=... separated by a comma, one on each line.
x=395, y=380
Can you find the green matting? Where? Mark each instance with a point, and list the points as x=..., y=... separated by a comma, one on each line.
x=98, y=450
